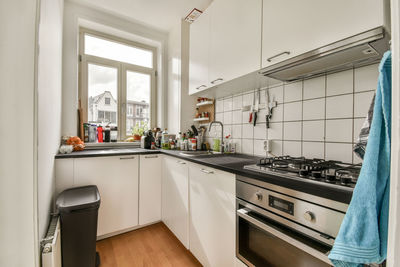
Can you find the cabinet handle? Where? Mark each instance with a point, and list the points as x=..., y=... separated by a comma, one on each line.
x=127, y=158
x=216, y=80
x=181, y=162
x=150, y=157
x=277, y=55
x=206, y=171
x=198, y=88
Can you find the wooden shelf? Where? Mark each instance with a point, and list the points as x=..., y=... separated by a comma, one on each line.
x=205, y=103
x=201, y=119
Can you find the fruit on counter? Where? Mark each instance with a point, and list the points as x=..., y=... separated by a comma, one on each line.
x=76, y=142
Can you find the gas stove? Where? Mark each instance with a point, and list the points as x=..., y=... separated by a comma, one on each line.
x=329, y=172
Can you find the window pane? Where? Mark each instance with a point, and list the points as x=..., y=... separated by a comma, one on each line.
x=102, y=95
x=138, y=100
x=119, y=52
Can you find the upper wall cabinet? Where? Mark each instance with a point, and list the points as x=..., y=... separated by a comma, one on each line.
x=225, y=43
x=291, y=28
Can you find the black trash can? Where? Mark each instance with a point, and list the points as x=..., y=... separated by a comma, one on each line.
x=78, y=208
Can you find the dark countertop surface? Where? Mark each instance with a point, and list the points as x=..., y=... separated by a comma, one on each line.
x=232, y=163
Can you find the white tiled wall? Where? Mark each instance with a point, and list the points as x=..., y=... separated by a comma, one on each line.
x=319, y=117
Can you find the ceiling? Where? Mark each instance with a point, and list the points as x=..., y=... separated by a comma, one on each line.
x=160, y=14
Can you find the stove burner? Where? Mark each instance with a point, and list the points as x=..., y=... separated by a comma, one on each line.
x=333, y=172
x=330, y=178
x=316, y=175
x=280, y=164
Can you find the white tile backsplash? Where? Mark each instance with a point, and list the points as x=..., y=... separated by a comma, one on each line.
x=227, y=118
x=314, y=109
x=314, y=88
x=313, y=150
x=293, y=91
x=258, y=148
x=340, y=152
x=339, y=107
x=314, y=130
x=237, y=102
x=339, y=130
x=276, y=94
x=274, y=132
x=247, y=131
x=366, y=78
x=362, y=102
x=339, y=83
x=247, y=146
x=292, y=148
x=237, y=117
x=228, y=104
x=260, y=131
x=292, y=111
x=292, y=131
x=317, y=118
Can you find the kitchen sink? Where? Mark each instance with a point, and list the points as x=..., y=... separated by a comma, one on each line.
x=195, y=153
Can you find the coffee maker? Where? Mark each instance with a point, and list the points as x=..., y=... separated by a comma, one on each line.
x=146, y=140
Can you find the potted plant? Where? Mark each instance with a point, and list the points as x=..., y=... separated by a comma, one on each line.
x=139, y=130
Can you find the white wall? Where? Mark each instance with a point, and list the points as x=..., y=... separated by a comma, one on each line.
x=18, y=227
x=49, y=103
x=180, y=105
x=76, y=15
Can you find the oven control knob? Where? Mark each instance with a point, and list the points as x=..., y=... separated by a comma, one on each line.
x=259, y=196
x=309, y=216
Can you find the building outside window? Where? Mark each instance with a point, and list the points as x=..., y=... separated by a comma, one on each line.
x=116, y=72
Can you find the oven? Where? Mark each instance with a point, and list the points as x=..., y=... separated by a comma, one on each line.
x=277, y=229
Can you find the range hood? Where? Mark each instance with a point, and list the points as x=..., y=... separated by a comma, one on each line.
x=359, y=50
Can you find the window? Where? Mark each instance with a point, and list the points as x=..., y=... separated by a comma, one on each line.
x=116, y=72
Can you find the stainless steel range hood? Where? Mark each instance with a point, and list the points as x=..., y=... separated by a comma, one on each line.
x=359, y=50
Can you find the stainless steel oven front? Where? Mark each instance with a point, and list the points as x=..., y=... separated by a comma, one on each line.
x=278, y=229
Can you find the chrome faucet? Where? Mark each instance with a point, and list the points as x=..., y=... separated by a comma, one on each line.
x=221, y=144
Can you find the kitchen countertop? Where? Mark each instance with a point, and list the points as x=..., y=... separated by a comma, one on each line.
x=232, y=163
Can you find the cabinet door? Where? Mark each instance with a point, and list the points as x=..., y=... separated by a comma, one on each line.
x=300, y=26
x=150, y=189
x=198, y=57
x=175, y=198
x=212, y=216
x=117, y=181
x=235, y=39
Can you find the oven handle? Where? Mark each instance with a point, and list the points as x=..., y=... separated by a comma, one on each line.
x=243, y=213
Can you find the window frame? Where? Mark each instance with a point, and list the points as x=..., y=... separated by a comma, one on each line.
x=122, y=68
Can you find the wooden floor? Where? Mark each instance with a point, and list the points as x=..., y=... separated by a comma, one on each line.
x=154, y=245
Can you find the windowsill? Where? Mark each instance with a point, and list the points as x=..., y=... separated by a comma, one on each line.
x=118, y=144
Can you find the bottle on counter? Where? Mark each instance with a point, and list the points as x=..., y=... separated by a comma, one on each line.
x=107, y=134
x=114, y=134
x=86, y=132
x=100, y=134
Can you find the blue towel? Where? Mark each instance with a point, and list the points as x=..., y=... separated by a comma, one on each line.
x=362, y=237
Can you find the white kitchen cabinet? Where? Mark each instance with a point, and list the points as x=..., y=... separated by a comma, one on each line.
x=117, y=180
x=199, y=57
x=175, y=198
x=150, y=189
x=235, y=39
x=212, y=216
x=291, y=28
x=225, y=43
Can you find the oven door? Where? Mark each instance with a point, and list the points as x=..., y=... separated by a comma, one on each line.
x=262, y=241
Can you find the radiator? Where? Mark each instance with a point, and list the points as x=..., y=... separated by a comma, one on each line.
x=51, y=244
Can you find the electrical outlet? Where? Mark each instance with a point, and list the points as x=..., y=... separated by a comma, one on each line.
x=267, y=146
